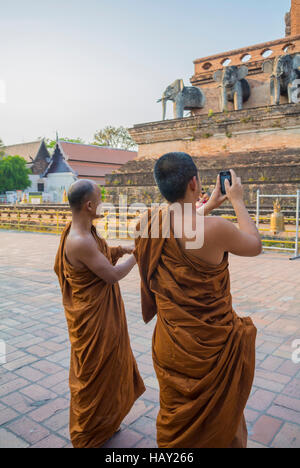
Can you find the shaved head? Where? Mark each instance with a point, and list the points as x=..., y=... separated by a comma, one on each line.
x=80, y=192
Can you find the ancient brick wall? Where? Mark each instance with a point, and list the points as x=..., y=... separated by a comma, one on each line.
x=295, y=17
x=259, y=129
x=253, y=57
x=271, y=172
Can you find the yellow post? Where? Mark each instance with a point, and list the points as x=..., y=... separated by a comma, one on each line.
x=24, y=198
x=106, y=227
x=65, y=197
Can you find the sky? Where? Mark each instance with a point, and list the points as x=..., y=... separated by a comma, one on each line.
x=73, y=66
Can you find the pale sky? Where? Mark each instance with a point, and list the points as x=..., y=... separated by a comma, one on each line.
x=75, y=66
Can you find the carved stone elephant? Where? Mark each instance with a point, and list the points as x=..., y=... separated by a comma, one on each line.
x=234, y=87
x=183, y=97
x=285, y=76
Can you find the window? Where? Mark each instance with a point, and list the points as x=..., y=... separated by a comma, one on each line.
x=267, y=53
x=226, y=62
x=245, y=58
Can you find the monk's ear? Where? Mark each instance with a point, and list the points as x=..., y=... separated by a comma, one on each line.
x=88, y=205
x=193, y=184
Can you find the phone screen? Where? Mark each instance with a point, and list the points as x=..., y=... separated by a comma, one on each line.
x=223, y=176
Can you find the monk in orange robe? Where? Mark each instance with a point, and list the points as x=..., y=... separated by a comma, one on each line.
x=104, y=378
x=203, y=352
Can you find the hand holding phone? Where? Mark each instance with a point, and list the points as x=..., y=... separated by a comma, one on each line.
x=233, y=188
x=223, y=176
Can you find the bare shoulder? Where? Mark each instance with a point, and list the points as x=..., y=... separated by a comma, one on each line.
x=217, y=227
x=77, y=242
x=215, y=223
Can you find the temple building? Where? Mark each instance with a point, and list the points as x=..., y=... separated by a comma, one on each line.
x=37, y=159
x=52, y=174
x=72, y=161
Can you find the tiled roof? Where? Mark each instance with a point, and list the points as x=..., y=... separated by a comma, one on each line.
x=96, y=154
x=90, y=169
x=28, y=151
x=87, y=161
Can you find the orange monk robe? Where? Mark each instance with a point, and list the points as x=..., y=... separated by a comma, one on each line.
x=104, y=378
x=203, y=353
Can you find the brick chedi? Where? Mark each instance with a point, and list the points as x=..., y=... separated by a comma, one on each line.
x=295, y=17
x=261, y=141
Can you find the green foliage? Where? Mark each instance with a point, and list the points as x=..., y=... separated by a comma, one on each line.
x=115, y=137
x=103, y=194
x=52, y=143
x=210, y=113
x=1, y=149
x=276, y=124
x=14, y=174
x=246, y=119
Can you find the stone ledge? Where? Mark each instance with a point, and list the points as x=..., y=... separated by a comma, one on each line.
x=247, y=117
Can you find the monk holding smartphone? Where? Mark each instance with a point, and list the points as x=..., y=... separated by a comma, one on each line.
x=203, y=352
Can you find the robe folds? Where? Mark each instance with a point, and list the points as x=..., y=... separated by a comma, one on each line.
x=203, y=353
x=104, y=378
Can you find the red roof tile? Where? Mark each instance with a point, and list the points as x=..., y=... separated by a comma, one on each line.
x=88, y=169
x=96, y=154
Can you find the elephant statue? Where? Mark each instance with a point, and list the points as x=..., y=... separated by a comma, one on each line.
x=234, y=87
x=285, y=77
x=183, y=97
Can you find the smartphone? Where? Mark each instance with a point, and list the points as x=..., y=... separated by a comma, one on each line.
x=225, y=175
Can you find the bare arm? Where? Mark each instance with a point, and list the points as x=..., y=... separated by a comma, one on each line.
x=231, y=239
x=118, y=252
x=244, y=241
x=88, y=254
x=216, y=199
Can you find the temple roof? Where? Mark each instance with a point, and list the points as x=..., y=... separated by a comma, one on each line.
x=87, y=161
x=28, y=151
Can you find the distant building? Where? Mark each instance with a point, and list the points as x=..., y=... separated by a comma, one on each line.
x=72, y=161
x=69, y=162
x=37, y=159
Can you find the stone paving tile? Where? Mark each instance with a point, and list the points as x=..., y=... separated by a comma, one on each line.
x=288, y=436
x=52, y=441
x=10, y=440
x=265, y=429
x=34, y=394
x=29, y=430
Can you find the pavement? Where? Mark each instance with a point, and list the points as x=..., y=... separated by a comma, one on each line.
x=34, y=394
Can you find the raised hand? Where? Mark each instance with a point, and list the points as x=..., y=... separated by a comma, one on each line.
x=234, y=192
x=217, y=198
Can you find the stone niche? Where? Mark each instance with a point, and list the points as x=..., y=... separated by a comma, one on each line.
x=261, y=144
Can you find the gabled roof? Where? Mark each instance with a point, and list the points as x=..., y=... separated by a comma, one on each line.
x=58, y=163
x=28, y=151
x=97, y=154
x=87, y=161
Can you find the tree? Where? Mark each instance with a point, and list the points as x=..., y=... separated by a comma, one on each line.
x=14, y=174
x=1, y=149
x=52, y=143
x=115, y=137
